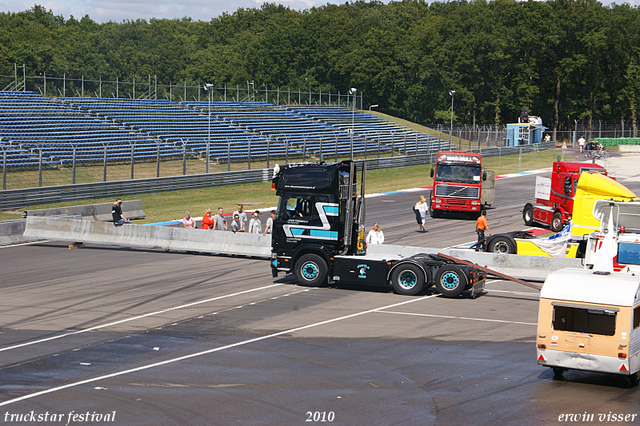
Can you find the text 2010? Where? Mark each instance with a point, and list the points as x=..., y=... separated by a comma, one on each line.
x=320, y=416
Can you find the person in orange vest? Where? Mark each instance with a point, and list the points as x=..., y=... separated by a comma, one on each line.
x=207, y=220
x=481, y=226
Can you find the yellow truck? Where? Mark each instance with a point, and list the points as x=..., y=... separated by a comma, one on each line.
x=590, y=187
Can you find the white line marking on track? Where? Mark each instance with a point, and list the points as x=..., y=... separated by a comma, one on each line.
x=522, y=293
x=209, y=351
x=460, y=318
x=97, y=327
x=26, y=244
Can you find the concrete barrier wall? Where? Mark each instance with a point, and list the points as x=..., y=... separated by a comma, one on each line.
x=531, y=268
x=151, y=237
x=102, y=212
x=11, y=232
x=629, y=148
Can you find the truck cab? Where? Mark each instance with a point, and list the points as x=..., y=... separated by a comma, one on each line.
x=460, y=184
x=555, y=196
x=319, y=214
x=318, y=234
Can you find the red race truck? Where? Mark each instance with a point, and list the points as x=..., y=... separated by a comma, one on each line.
x=555, y=195
x=460, y=184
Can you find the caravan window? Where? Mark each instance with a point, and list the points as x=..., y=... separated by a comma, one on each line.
x=582, y=320
x=636, y=317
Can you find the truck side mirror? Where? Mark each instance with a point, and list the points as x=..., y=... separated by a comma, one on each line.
x=567, y=185
x=431, y=174
x=484, y=175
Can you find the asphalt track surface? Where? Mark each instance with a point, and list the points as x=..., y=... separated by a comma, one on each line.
x=118, y=336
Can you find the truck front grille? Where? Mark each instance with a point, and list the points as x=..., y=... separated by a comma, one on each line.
x=451, y=191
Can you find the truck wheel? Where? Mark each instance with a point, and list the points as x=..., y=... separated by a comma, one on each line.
x=556, y=222
x=451, y=280
x=407, y=279
x=311, y=270
x=527, y=215
x=436, y=213
x=502, y=244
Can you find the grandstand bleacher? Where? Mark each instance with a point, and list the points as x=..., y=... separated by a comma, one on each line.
x=95, y=127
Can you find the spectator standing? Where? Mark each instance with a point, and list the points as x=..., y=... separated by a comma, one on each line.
x=255, y=226
x=116, y=214
x=207, y=220
x=235, y=224
x=268, y=227
x=581, y=142
x=219, y=223
x=375, y=236
x=242, y=215
x=422, y=207
x=188, y=221
x=482, y=226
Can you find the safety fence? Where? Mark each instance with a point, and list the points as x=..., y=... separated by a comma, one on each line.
x=618, y=141
x=20, y=198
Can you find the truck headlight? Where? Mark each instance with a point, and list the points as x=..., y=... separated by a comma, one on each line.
x=438, y=200
x=474, y=203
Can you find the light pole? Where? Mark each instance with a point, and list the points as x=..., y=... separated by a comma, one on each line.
x=451, y=92
x=373, y=106
x=208, y=88
x=353, y=91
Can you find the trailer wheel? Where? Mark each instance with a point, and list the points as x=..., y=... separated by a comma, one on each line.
x=451, y=280
x=527, y=215
x=502, y=244
x=557, y=371
x=407, y=279
x=311, y=270
x=556, y=222
x=634, y=378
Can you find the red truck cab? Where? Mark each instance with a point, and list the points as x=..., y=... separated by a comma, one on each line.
x=458, y=184
x=555, y=195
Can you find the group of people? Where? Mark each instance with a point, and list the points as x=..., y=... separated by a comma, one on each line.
x=238, y=221
x=586, y=147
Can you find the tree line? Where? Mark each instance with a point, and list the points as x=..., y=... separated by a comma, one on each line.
x=562, y=60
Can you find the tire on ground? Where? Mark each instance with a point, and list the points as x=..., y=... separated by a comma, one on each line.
x=408, y=279
x=436, y=213
x=556, y=222
x=502, y=244
x=527, y=214
x=451, y=280
x=311, y=270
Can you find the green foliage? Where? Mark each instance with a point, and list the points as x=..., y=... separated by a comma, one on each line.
x=574, y=59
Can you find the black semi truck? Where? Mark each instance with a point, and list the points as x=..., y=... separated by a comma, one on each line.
x=318, y=234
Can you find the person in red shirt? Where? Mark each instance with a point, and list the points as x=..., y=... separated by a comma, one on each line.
x=481, y=226
x=207, y=220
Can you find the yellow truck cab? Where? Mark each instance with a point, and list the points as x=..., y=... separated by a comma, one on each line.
x=588, y=321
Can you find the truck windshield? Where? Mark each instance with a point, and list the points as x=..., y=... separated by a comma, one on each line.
x=459, y=173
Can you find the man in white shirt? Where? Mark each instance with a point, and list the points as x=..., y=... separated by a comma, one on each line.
x=268, y=227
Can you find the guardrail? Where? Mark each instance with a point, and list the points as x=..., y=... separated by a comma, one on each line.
x=20, y=198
